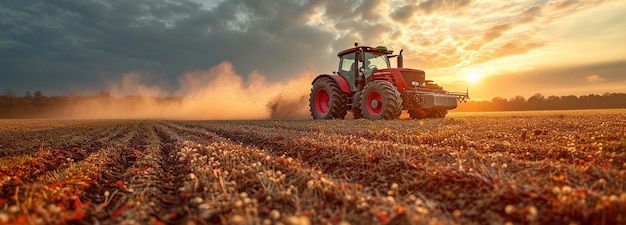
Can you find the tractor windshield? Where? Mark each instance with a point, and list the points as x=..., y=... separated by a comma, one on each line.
x=375, y=62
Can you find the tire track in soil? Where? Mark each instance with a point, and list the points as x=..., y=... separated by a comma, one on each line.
x=415, y=180
x=49, y=159
x=374, y=129
x=278, y=145
x=243, y=181
x=51, y=199
x=275, y=141
x=315, y=192
x=480, y=194
x=155, y=179
x=110, y=195
x=162, y=194
x=260, y=187
x=33, y=141
x=46, y=160
x=42, y=163
x=195, y=190
x=432, y=133
x=195, y=134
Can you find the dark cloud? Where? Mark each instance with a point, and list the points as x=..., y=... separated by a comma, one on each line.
x=431, y=6
x=340, y=9
x=62, y=46
x=515, y=48
x=533, y=10
x=371, y=10
x=57, y=44
x=564, y=4
x=527, y=16
x=405, y=13
x=496, y=31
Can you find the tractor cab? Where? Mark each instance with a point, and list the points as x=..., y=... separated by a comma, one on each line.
x=361, y=62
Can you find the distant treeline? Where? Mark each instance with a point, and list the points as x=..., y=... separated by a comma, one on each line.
x=37, y=105
x=540, y=102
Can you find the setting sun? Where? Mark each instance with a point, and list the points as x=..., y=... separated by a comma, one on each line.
x=473, y=77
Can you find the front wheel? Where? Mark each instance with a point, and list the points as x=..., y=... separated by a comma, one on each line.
x=422, y=114
x=327, y=101
x=438, y=113
x=418, y=114
x=380, y=100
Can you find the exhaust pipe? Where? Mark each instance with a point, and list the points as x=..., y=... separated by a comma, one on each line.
x=400, y=59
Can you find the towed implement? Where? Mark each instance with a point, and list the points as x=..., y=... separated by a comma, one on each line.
x=367, y=85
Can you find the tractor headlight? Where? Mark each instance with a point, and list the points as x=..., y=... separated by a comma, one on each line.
x=414, y=83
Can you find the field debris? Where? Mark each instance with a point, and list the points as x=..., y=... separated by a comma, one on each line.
x=504, y=168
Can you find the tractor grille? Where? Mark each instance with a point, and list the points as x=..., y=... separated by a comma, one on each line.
x=411, y=76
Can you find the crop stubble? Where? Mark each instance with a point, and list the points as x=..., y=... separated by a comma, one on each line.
x=520, y=168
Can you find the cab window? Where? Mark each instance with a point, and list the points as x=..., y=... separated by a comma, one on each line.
x=347, y=67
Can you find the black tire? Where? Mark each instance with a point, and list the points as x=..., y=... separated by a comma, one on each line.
x=356, y=106
x=326, y=100
x=438, y=113
x=418, y=114
x=399, y=113
x=422, y=114
x=380, y=100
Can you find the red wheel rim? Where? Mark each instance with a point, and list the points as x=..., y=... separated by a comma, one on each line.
x=322, y=101
x=374, y=103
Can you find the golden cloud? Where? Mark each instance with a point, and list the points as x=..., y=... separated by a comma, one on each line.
x=595, y=78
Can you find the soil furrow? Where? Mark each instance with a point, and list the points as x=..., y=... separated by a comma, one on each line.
x=436, y=183
x=75, y=135
x=496, y=168
x=111, y=195
x=169, y=196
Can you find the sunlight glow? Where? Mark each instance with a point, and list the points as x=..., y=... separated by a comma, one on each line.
x=473, y=77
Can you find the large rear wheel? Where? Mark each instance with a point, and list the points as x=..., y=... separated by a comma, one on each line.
x=380, y=100
x=327, y=101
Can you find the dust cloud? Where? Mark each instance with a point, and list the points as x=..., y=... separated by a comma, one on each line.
x=218, y=93
x=288, y=107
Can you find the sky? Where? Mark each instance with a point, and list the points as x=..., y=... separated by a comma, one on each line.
x=492, y=48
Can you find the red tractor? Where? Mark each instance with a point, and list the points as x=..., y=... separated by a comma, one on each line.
x=366, y=85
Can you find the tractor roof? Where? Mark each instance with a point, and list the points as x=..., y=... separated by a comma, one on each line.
x=378, y=49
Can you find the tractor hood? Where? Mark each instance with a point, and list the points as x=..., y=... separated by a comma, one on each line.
x=408, y=76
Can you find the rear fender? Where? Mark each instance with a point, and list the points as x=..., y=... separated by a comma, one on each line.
x=343, y=84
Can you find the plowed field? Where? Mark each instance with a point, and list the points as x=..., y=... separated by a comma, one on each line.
x=566, y=167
